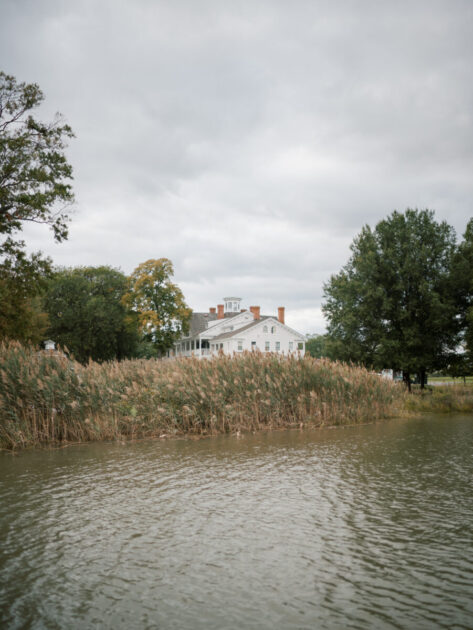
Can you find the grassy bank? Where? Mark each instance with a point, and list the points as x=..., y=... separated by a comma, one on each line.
x=467, y=380
x=441, y=399
x=47, y=399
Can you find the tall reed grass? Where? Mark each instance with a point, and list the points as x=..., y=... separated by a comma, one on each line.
x=49, y=399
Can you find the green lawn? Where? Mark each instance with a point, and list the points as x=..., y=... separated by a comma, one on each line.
x=449, y=379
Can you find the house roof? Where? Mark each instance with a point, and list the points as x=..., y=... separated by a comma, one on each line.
x=235, y=333
x=199, y=322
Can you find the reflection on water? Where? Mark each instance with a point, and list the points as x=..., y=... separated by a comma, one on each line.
x=361, y=527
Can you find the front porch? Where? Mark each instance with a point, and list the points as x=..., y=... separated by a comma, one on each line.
x=196, y=347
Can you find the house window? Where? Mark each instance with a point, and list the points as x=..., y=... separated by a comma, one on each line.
x=300, y=345
x=197, y=344
x=291, y=345
x=265, y=329
x=278, y=346
x=253, y=345
x=273, y=329
x=192, y=345
x=240, y=346
x=266, y=346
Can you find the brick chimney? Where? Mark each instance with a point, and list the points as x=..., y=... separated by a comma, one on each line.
x=212, y=310
x=256, y=312
x=281, y=314
x=220, y=312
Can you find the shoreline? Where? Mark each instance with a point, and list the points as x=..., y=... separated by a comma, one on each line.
x=126, y=440
x=47, y=400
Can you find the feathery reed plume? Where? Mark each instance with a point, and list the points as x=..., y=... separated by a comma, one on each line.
x=49, y=399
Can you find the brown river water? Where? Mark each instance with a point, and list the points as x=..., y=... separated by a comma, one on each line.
x=359, y=527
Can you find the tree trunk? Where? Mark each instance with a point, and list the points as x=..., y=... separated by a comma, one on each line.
x=423, y=378
x=406, y=377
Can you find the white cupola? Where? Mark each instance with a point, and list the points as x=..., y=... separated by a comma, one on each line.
x=232, y=304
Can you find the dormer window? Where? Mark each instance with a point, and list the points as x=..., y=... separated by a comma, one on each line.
x=232, y=304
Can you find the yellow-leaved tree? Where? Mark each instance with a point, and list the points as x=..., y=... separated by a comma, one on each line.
x=159, y=304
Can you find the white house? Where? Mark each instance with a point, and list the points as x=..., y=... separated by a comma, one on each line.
x=230, y=329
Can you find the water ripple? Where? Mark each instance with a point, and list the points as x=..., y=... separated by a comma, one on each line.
x=362, y=527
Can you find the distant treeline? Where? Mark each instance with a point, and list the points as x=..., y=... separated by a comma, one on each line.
x=95, y=313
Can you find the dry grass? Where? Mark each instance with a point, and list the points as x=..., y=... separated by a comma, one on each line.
x=46, y=399
x=441, y=399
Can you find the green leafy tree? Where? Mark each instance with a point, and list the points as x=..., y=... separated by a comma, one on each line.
x=34, y=187
x=462, y=282
x=87, y=315
x=392, y=304
x=22, y=280
x=158, y=303
x=34, y=172
x=316, y=346
x=352, y=305
x=460, y=366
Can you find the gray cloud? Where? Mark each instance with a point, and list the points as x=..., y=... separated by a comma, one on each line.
x=249, y=142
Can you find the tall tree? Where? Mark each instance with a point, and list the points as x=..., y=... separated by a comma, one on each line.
x=462, y=282
x=34, y=171
x=392, y=304
x=34, y=187
x=87, y=315
x=159, y=304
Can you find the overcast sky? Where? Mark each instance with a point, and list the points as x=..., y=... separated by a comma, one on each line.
x=249, y=141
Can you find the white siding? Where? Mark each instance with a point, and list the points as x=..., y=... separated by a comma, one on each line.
x=267, y=331
x=281, y=333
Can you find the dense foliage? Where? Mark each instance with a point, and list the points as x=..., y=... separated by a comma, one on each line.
x=462, y=281
x=394, y=303
x=23, y=279
x=316, y=346
x=93, y=312
x=158, y=303
x=87, y=315
x=34, y=187
x=34, y=171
